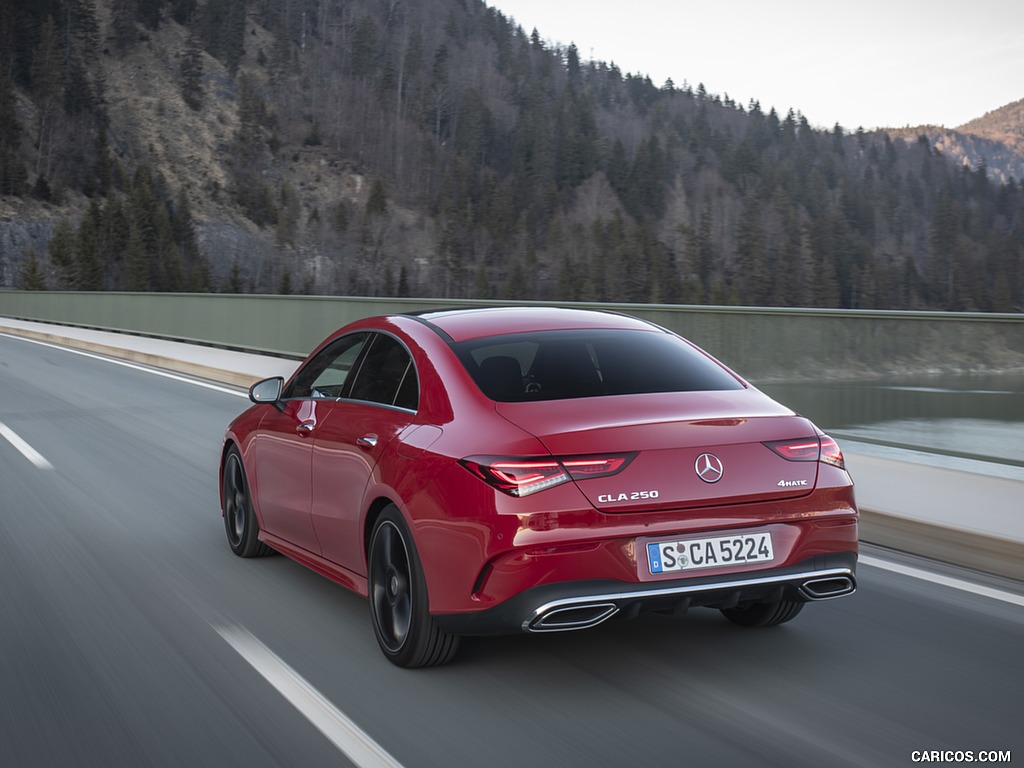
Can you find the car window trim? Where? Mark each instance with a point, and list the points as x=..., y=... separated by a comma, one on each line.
x=388, y=406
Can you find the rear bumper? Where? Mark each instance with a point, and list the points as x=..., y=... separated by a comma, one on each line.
x=582, y=604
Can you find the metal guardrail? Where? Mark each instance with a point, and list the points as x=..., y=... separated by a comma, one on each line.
x=761, y=343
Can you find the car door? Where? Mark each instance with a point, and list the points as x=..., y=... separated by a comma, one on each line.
x=283, y=448
x=352, y=438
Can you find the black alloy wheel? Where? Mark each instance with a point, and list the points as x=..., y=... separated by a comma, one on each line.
x=239, y=520
x=399, y=607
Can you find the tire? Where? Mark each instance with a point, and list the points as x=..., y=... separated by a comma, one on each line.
x=763, y=614
x=239, y=519
x=399, y=606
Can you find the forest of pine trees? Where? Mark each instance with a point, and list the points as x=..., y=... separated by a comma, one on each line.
x=495, y=166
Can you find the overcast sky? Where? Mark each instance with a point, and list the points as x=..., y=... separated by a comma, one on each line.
x=870, y=63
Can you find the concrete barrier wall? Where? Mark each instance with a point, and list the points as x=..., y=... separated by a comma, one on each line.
x=761, y=343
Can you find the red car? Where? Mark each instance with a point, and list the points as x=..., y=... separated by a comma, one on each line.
x=481, y=471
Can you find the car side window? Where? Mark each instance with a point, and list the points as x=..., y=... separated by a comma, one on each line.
x=387, y=375
x=328, y=372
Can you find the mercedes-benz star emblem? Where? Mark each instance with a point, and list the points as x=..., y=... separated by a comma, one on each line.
x=709, y=468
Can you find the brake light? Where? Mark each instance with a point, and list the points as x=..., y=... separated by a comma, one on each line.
x=523, y=476
x=823, y=449
x=806, y=449
x=596, y=466
x=517, y=477
x=831, y=453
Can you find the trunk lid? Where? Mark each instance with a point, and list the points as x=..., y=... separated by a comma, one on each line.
x=691, y=449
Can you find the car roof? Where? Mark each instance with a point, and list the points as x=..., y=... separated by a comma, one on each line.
x=481, y=322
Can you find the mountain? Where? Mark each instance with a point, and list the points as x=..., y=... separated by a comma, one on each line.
x=994, y=141
x=1005, y=125
x=435, y=148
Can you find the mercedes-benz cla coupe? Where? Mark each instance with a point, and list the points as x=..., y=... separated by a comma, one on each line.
x=494, y=470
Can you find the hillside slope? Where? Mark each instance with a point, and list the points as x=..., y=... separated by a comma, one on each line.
x=435, y=148
x=994, y=141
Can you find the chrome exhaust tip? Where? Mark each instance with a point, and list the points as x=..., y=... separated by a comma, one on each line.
x=570, y=617
x=828, y=587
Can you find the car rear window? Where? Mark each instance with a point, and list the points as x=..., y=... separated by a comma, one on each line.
x=556, y=365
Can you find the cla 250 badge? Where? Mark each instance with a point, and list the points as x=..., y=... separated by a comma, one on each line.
x=611, y=498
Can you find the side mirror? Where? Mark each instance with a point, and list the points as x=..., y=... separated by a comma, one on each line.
x=267, y=390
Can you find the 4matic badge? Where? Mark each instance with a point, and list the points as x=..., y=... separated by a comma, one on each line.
x=791, y=483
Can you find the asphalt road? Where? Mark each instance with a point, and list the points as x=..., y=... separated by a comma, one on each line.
x=131, y=636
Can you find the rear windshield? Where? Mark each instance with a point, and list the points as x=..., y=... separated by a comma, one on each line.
x=556, y=365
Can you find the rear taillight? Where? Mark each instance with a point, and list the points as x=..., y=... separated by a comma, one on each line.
x=797, y=450
x=596, y=466
x=517, y=477
x=523, y=476
x=823, y=449
x=831, y=453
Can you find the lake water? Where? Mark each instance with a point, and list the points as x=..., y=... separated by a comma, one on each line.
x=972, y=422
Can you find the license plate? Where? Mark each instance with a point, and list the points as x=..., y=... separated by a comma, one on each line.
x=691, y=554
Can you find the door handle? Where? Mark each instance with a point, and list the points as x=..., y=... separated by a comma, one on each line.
x=367, y=441
x=305, y=427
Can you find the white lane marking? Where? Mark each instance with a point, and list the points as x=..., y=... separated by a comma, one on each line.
x=357, y=745
x=134, y=366
x=24, y=448
x=946, y=581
